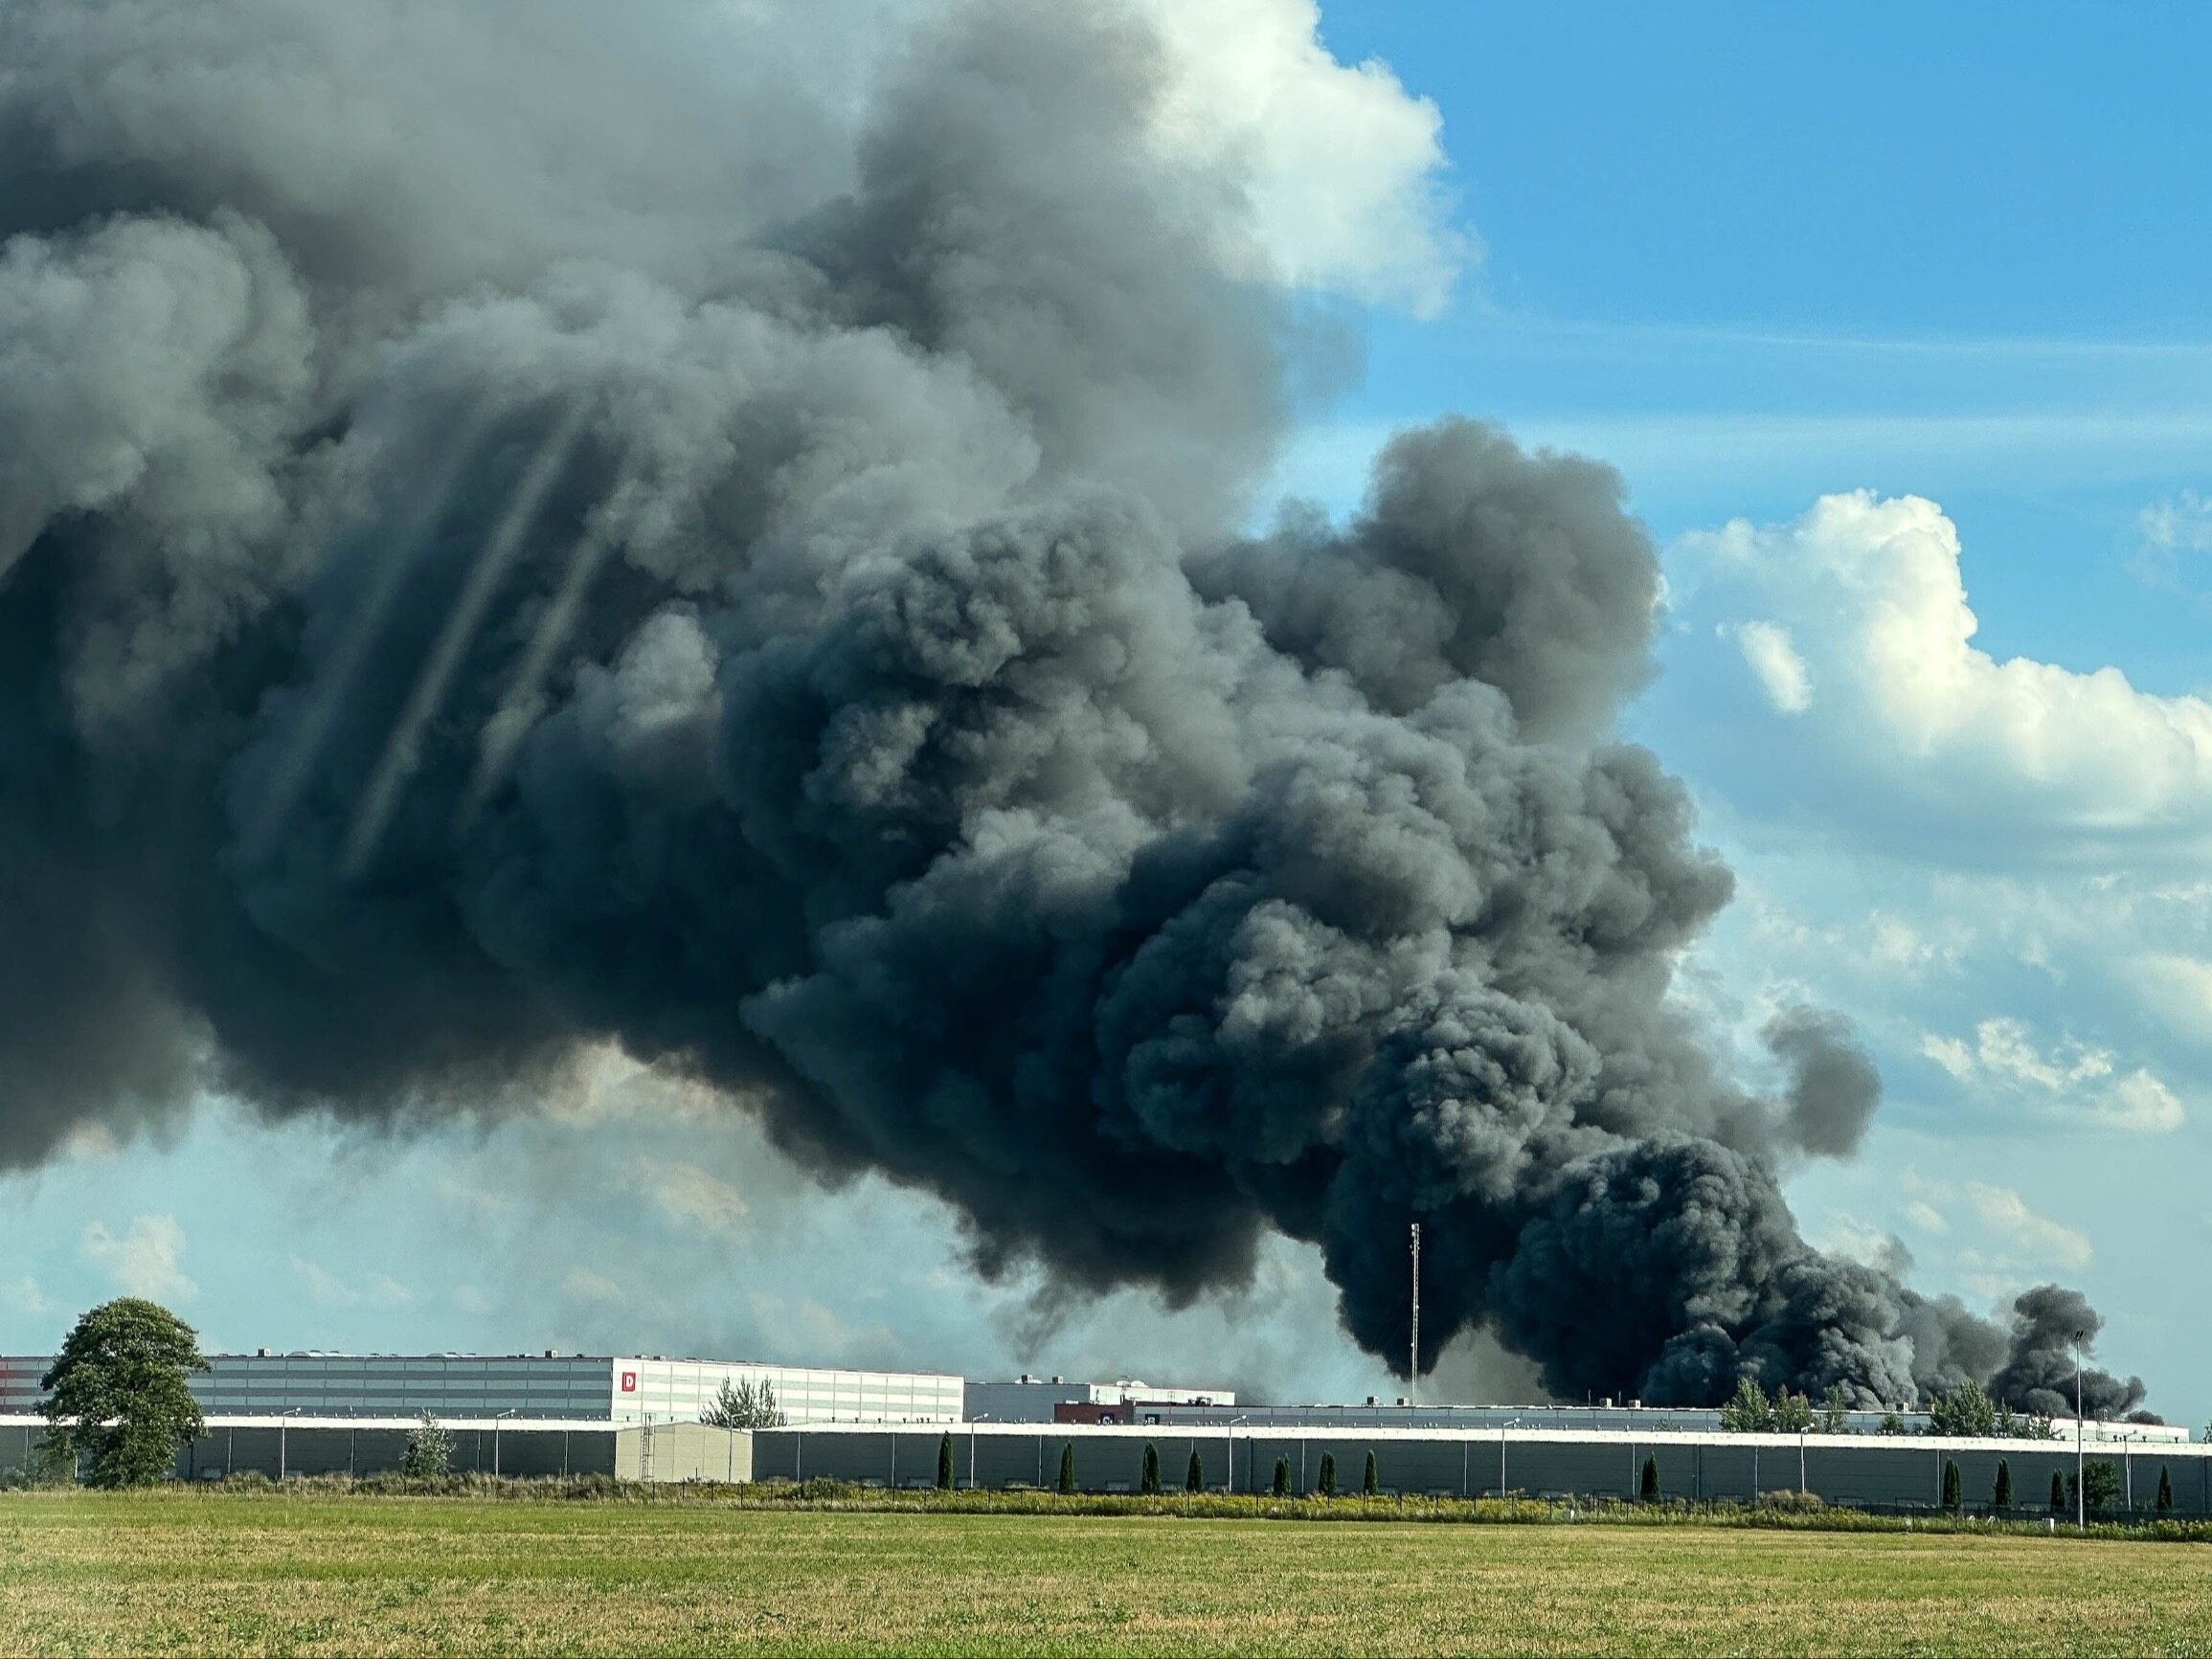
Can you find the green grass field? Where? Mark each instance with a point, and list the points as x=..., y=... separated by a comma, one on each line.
x=257, y=1573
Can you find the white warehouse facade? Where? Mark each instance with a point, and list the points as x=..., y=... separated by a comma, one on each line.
x=620, y=1389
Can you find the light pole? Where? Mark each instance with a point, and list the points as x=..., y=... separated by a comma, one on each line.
x=1413, y=1351
x=2080, y=1493
x=283, y=1423
x=514, y=1411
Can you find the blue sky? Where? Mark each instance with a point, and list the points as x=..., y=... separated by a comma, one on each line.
x=1754, y=256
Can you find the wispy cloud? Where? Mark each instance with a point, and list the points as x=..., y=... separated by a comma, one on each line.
x=146, y=1261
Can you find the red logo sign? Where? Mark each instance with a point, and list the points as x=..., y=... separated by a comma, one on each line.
x=630, y=1383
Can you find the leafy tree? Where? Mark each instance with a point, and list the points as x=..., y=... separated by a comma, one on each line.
x=1067, y=1466
x=2058, y=1494
x=1369, y=1482
x=429, y=1448
x=2099, y=1490
x=748, y=1404
x=945, y=1464
x=1283, y=1477
x=1648, y=1487
x=1890, y=1423
x=2001, y=1498
x=2038, y=1425
x=1835, y=1411
x=1964, y=1413
x=1748, y=1412
x=1953, y=1496
x=1792, y=1413
x=2206, y=1436
x=1328, y=1474
x=1195, y=1479
x=2165, y=1502
x=120, y=1390
x=1150, y=1480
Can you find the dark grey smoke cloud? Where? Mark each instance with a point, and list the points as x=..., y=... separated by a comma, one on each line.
x=504, y=549
x=1833, y=1088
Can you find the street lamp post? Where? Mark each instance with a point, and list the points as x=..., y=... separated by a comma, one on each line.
x=283, y=1425
x=514, y=1411
x=2080, y=1491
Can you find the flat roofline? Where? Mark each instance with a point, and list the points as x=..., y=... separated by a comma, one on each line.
x=540, y=1357
x=1322, y=1431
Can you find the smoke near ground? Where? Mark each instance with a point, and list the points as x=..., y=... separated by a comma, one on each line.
x=522, y=536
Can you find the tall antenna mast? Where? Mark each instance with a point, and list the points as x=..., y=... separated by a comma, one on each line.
x=1414, y=1361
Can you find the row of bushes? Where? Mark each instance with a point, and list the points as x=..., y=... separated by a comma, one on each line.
x=1785, y=1510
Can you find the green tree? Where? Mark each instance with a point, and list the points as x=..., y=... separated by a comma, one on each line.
x=1149, y=1481
x=2099, y=1490
x=1890, y=1423
x=945, y=1464
x=1835, y=1411
x=1328, y=1474
x=1370, y=1482
x=119, y=1391
x=1648, y=1486
x=1792, y=1413
x=429, y=1449
x=2165, y=1502
x=1283, y=1477
x=1748, y=1412
x=744, y=1404
x=1964, y=1413
x=1067, y=1466
x=1195, y=1479
x=1953, y=1496
x=2059, y=1503
x=2001, y=1498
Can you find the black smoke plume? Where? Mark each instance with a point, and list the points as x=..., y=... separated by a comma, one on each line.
x=522, y=525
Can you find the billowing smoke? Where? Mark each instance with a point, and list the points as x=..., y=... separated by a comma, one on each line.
x=521, y=526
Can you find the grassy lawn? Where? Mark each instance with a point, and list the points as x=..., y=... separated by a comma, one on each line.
x=223, y=1572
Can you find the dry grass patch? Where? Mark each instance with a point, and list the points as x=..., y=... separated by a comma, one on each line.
x=214, y=1573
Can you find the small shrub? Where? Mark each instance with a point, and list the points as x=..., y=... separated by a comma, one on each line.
x=2058, y=1494
x=1953, y=1496
x=2165, y=1490
x=1195, y=1480
x=1150, y=1482
x=1648, y=1487
x=1068, y=1467
x=945, y=1464
x=429, y=1449
x=2002, y=1497
x=1370, y=1483
x=1283, y=1477
x=2100, y=1488
x=1328, y=1474
x=1792, y=1502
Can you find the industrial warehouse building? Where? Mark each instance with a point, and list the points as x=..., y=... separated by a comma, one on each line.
x=1864, y=1470
x=555, y=1387
x=637, y=1418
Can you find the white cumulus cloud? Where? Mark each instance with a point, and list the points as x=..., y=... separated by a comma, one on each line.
x=1342, y=164
x=1868, y=596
